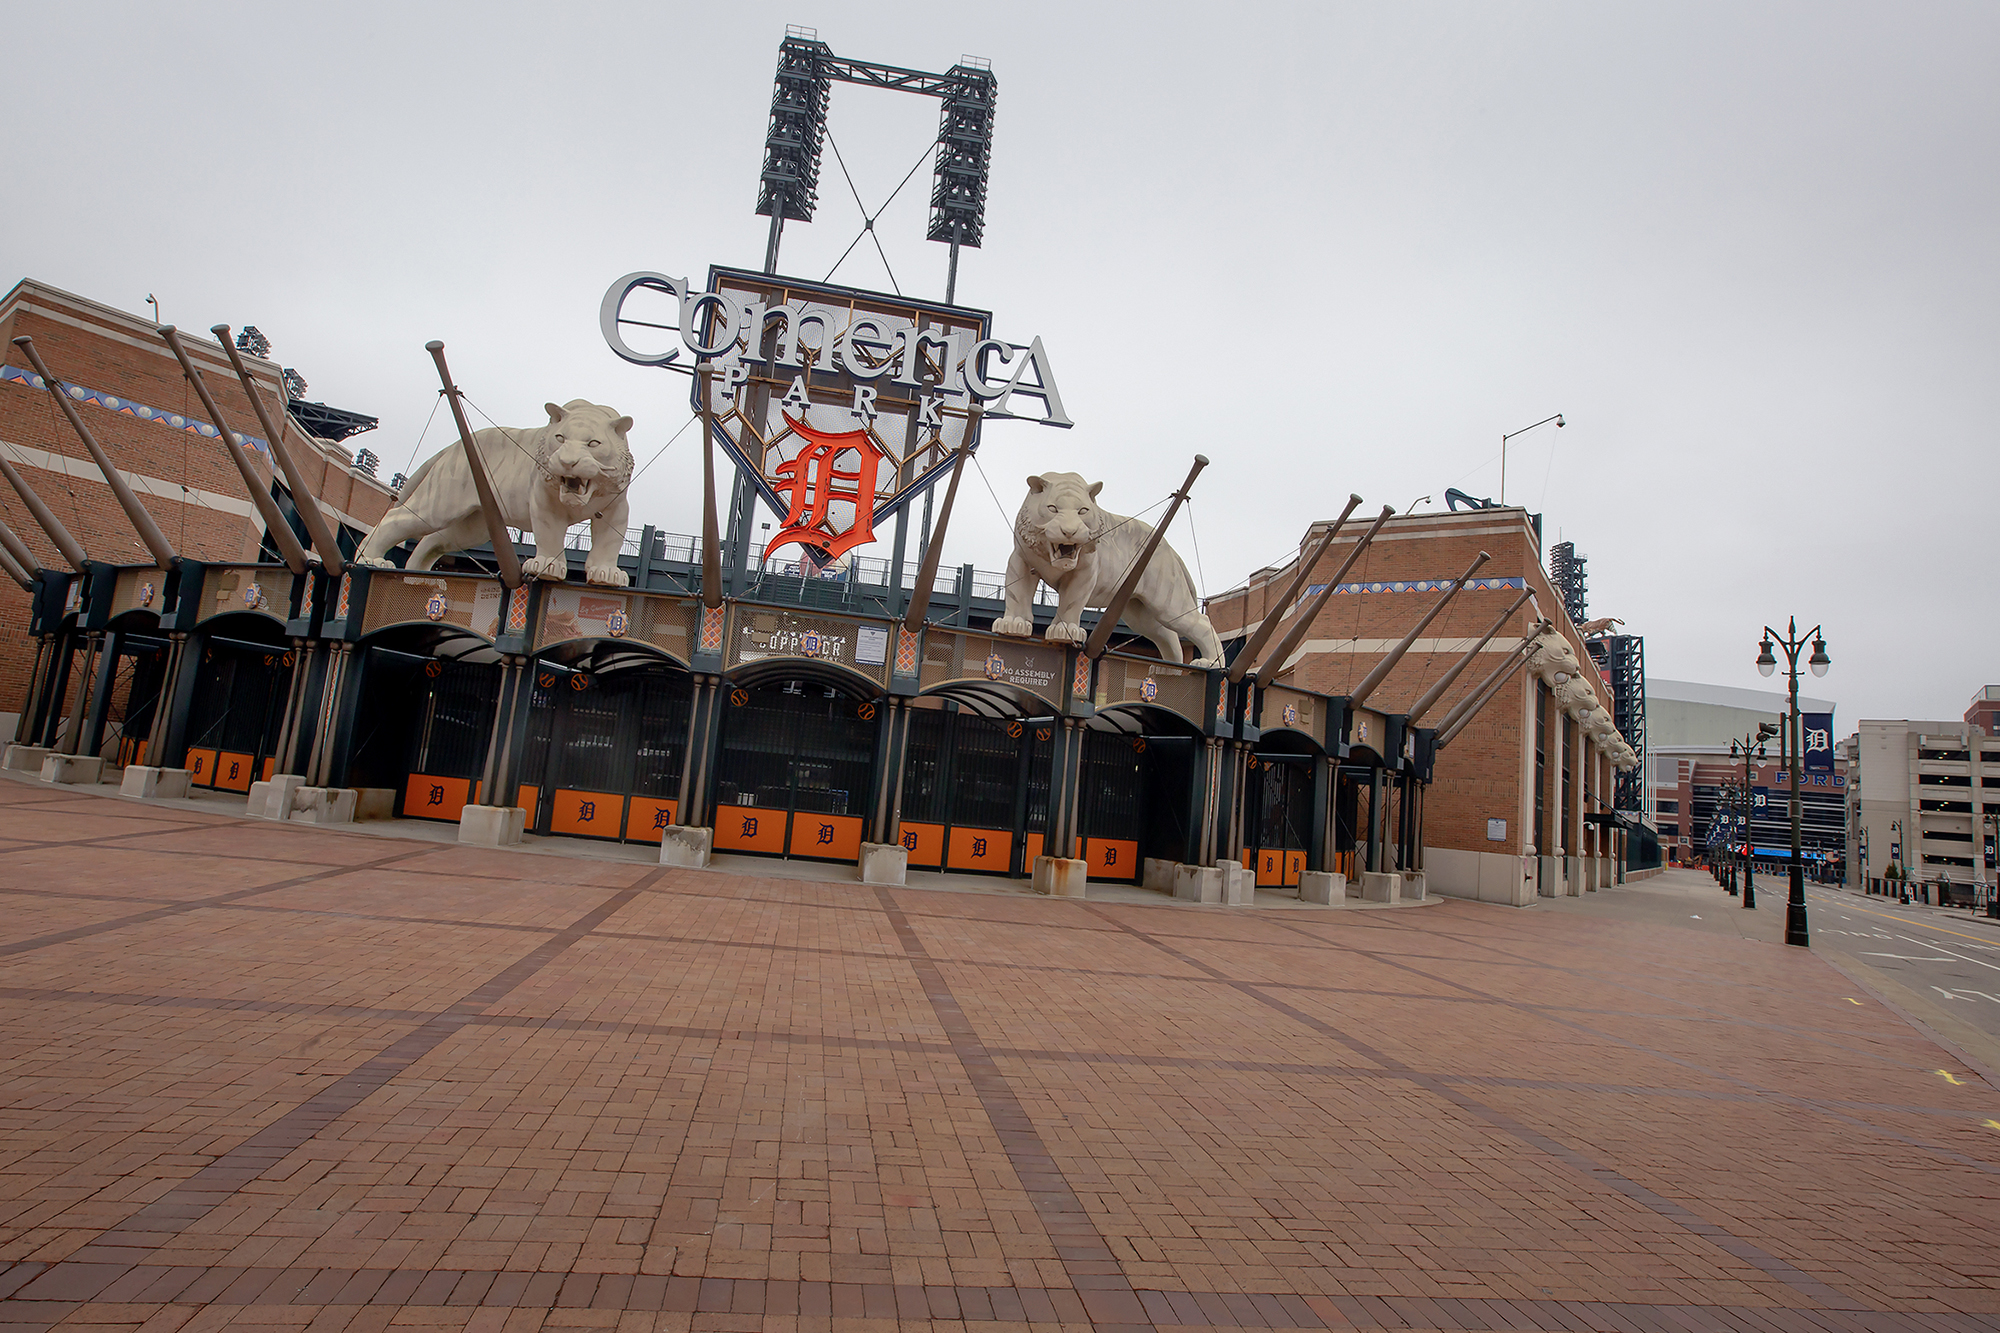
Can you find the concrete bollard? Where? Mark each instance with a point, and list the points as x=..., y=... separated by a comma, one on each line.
x=689, y=848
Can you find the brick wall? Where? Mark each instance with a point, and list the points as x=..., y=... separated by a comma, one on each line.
x=1487, y=771
x=200, y=502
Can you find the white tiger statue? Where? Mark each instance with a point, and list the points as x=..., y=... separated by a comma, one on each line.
x=546, y=479
x=1063, y=539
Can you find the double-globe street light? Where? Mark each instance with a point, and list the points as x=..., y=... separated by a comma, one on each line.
x=1793, y=643
x=1753, y=742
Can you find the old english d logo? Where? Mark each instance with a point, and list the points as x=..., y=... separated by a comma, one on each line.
x=813, y=481
x=825, y=835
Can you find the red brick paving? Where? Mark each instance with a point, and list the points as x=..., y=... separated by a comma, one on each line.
x=273, y=1076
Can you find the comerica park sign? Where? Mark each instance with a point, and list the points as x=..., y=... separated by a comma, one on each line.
x=842, y=405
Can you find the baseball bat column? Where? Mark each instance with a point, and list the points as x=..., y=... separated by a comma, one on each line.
x=887, y=861
x=1108, y=622
x=48, y=710
x=274, y=522
x=20, y=558
x=1268, y=669
x=691, y=840
x=1248, y=656
x=496, y=522
x=490, y=823
x=1234, y=757
x=920, y=598
x=1374, y=679
x=65, y=544
x=303, y=499
x=1430, y=697
x=136, y=513
x=1469, y=707
x=17, y=551
x=142, y=521
x=1058, y=872
x=16, y=572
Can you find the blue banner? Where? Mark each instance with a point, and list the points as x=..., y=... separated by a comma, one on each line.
x=1760, y=803
x=1816, y=741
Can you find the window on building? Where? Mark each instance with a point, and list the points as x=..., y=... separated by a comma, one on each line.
x=1568, y=843
x=1541, y=765
x=1667, y=807
x=1670, y=830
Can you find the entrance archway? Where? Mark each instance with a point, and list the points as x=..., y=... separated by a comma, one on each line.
x=1281, y=799
x=975, y=789
x=1137, y=800
x=242, y=671
x=427, y=699
x=797, y=762
x=607, y=741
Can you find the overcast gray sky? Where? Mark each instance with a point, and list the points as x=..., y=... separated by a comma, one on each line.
x=1748, y=249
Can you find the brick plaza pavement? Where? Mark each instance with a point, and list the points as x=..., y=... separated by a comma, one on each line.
x=260, y=1075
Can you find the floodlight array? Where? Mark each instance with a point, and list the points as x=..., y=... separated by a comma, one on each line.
x=797, y=133
x=965, y=150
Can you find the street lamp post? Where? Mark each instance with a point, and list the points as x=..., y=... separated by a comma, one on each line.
x=1793, y=642
x=1991, y=818
x=1557, y=418
x=1896, y=857
x=1751, y=742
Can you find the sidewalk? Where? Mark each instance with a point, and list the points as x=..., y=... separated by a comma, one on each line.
x=259, y=1075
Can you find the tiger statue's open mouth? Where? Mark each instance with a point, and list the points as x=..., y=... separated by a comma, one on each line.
x=575, y=490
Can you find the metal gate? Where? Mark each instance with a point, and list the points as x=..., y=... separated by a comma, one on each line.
x=1277, y=817
x=424, y=730
x=605, y=751
x=975, y=791
x=796, y=769
x=238, y=708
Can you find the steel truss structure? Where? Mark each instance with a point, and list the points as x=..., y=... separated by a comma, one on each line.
x=1566, y=572
x=807, y=67
x=1622, y=659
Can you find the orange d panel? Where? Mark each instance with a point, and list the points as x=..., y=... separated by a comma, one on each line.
x=528, y=799
x=980, y=849
x=1295, y=865
x=648, y=818
x=1270, y=867
x=1034, y=850
x=587, y=814
x=826, y=837
x=1111, y=858
x=749, y=828
x=234, y=771
x=427, y=797
x=924, y=843
x=201, y=767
